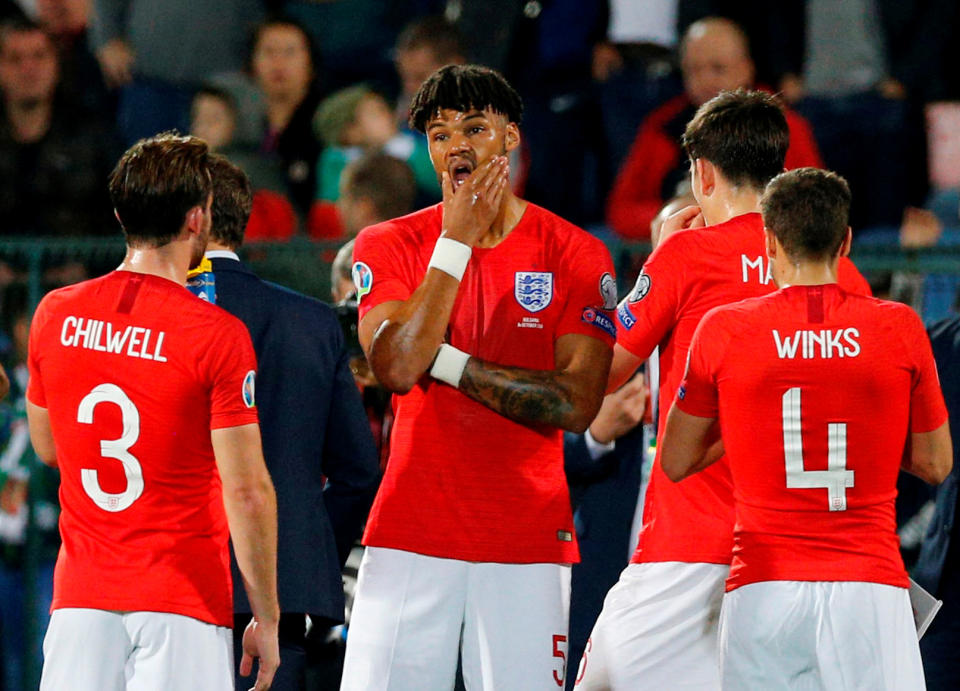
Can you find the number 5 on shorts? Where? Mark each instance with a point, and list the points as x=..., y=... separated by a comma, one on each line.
x=836, y=478
x=558, y=675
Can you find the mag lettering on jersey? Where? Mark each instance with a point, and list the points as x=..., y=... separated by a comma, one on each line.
x=755, y=268
x=94, y=334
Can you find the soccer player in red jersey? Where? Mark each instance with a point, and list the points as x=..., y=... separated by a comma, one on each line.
x=658, y=625
x=492, y=319
x=822, y=397
x=143, y=396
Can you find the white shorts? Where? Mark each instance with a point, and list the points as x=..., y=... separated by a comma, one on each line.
x=819, y=635
x=412, y=613
x=657, y=630
x=97, y=650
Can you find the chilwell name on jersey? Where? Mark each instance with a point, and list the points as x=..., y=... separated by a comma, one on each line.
x=823, y=343
x=94, y=334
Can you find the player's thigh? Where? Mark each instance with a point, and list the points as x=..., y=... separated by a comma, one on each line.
x=406, y=622
x=868, y=634
x=515, y=626
x=172, y=651
x=658, y=629
x=85, y=650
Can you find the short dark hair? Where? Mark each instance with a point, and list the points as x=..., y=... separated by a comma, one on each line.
x=743, y=133
x=433, y=32
x=386, y=181
x=808, y=211
x=280, y=19
x=156, y=182
x=218, y=93
x=463, y=88
x=232, y=202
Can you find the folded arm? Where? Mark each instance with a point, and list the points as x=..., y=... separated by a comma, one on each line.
x=567, y=396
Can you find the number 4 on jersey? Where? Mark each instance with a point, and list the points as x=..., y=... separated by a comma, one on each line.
x=836, y=478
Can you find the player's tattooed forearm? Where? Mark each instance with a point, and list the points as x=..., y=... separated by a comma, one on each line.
x=526, y=396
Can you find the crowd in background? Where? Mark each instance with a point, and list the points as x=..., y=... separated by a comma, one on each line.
x=296, y=91
x=310, y=98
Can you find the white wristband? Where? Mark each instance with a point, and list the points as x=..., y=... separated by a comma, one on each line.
x=449, y=364
x=450, y=257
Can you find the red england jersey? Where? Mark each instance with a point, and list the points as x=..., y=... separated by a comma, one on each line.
x=462, y=481
x=688, y=274
x=816, y=390
x=135, y=372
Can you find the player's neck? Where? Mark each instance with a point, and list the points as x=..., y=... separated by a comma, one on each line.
x=511, y=211
x=805, y=273
x=170, y=261
x=734, y=202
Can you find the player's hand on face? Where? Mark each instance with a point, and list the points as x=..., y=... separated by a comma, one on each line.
x=686, y=218
x=469, y=211
x=621, y=411
x=260, y=641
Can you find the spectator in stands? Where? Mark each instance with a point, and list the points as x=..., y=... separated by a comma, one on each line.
x=66, y=21
x=158, y=53
x=545, y=49
x=423, y=47
x=283, y=64
x=19, y=469
x=635, y=68
x=54, y=159
x=863, y=89
x=213, y=117
x=357, y=120
x=714, y=57
x=374, y=188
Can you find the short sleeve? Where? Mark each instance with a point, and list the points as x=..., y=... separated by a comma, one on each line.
x=697, y=394
x=648, y=313
x=233, y=372
x=927, y=408
x=378, y=261
x=35, y=390
x=592, y=293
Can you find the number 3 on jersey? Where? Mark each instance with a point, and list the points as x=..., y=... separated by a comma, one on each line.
x=836, y=478
x=118, y=449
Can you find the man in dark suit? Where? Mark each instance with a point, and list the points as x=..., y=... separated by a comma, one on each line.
x=603, y=468
x=938, y=567
x=316, y=440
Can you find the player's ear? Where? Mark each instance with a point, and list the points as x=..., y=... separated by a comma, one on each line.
x=847, y=242
x=194, y=219
x=511, y=139
x=706, y=173
x=771, y=241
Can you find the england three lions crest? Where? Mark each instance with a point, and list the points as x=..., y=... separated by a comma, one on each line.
x=533, y=289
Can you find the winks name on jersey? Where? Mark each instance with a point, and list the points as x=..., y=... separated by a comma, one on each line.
x=94, y=334
x=823, y=343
